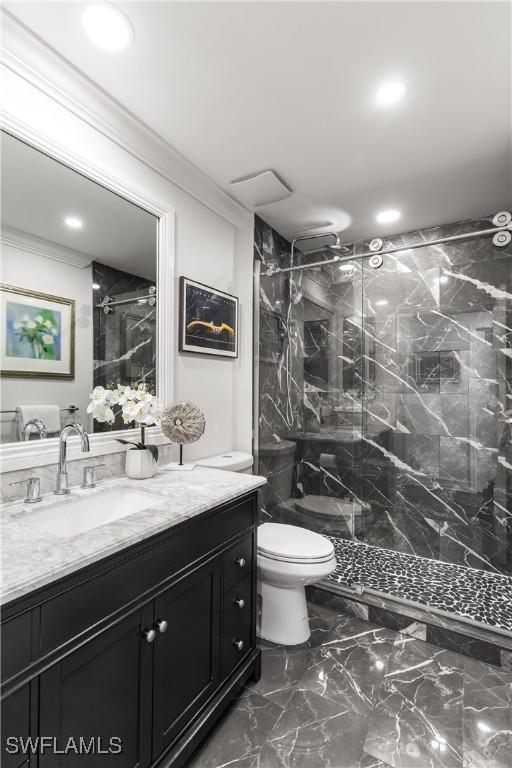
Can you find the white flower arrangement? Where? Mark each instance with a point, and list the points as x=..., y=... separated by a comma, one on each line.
x=136, y=406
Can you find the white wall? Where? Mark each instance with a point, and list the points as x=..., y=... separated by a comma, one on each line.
x=207, y=248
x=34, y=272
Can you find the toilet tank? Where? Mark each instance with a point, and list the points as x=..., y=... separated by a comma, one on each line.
x=232, y=461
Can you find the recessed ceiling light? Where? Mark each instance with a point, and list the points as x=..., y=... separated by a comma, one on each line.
x=390, y=93
x=95, y=286
x=347, y=267
x=388, y=217
x=106, y=26
x=73, y=222
x=443, y=279
x=381, y=302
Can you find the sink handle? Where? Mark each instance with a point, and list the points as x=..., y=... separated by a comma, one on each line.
x=33, y=494
x=89, y=475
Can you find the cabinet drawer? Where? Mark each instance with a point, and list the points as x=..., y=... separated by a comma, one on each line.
x=232, y=654
x=237, y=562
x=237, y=603
x=16, y=643
x=86, y=603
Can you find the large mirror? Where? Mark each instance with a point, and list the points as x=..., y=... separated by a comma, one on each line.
x=78, y=294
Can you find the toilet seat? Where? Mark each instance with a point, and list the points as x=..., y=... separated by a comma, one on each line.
x=291, y=544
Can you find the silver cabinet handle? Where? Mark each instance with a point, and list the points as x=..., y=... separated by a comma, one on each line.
x=161, y=625
x=240, y=602
x=149, y=635
x=240, y=561
x=239, y=644
x=33, y=493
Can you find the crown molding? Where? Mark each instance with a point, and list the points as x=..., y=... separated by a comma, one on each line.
x=31, y=58
x=45, y=248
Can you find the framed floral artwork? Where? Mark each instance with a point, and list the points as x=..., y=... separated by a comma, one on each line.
x=37, y=334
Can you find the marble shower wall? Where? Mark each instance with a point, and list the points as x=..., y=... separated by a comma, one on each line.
x=280, y=381
x=404, y=433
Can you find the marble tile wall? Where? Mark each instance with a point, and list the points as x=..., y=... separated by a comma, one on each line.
x=281, y=385
x=408, y=443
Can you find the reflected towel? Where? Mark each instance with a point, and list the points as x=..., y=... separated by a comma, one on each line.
x=49, y=415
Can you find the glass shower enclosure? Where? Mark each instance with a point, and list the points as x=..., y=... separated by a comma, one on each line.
x=385, y=401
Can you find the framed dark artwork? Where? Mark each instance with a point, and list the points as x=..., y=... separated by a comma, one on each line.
x=208, y=320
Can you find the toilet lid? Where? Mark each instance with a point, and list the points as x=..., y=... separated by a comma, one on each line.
x=328, y=506
x=293, y=544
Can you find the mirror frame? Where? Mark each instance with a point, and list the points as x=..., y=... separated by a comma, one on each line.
x=36, y=453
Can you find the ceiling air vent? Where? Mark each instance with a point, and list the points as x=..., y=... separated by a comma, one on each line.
x=260, y=189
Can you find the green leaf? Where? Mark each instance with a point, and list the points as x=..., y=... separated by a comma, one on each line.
x=126, y=442
x=154, y=451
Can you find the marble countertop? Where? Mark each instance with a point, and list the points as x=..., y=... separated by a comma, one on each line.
x=31, y=559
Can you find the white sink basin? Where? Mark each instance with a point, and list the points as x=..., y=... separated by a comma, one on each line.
x=78, y=515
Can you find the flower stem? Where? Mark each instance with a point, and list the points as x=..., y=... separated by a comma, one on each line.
x=143, y=434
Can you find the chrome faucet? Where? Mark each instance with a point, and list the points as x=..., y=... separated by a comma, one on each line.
x=40, y=429
x=62, y=475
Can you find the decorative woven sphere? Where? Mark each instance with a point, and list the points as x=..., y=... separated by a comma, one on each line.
x=183, y=423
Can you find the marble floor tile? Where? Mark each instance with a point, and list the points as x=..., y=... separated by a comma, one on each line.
x=417, y=722
x=238, y=738
x=487, y=716
x=360, y=696
x=360, y=663
x=313, y=732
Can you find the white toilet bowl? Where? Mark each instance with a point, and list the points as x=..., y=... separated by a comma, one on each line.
x=289, y=558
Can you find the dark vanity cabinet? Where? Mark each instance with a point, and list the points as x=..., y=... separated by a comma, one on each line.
x=186, y=655
x=129, y=662
x=94, y=692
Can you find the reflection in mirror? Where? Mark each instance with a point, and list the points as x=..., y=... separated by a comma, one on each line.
x=78, y=294
x=318, y=360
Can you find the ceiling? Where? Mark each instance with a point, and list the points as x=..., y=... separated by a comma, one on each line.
x=38, y=193
x=240, y=87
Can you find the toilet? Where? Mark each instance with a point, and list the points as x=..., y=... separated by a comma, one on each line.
x=289, y=558
x=231, y=461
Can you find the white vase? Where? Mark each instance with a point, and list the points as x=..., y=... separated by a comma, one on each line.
x=140, y=464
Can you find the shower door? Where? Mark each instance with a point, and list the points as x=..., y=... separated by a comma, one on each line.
x=435, y=472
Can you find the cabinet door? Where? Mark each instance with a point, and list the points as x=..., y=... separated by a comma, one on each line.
x=186, y=660
x=15, y=728
x=93, y=695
